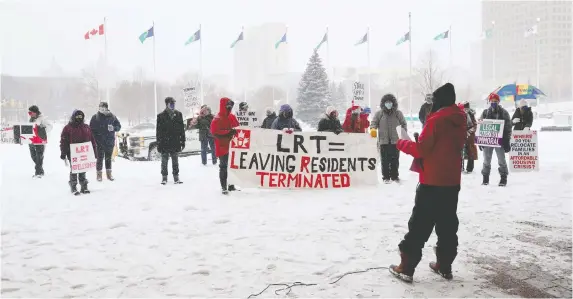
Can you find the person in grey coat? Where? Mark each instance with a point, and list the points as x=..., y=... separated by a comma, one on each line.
x=385, y=121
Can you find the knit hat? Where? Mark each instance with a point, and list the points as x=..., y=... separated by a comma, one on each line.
x=493, y=98
x=522, y=103
x=169, y=100
x=330, y=109
x=285, y=108
x=103, y=105
x=444, y=96
x=34, y=109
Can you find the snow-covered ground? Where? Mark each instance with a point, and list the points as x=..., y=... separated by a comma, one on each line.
x=136, y=238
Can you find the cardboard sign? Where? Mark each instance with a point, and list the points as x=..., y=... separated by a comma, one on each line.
x=358, y=93
x=249, y=119
x=523, y=156
x=29, y=134
x=490, y=133
x=82, y=157
x=273, y=159
x=191, y=99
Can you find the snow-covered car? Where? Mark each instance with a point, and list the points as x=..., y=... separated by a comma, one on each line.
x=139, y=142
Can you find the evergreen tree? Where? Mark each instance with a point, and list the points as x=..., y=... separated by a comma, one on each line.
x=313, y=92
x=338, y=98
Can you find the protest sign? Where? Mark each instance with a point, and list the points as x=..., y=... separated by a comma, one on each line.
x=191, y=99
x=82, y=157
x=28, y=133
x=273, y=159
x=358, y=93
x=523, y=156
x=490, y=133
x=249, y=119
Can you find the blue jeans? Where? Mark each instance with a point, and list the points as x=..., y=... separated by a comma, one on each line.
x=487, y=155
x=208, y=143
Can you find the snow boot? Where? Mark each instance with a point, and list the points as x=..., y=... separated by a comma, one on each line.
x=108, y=175
x=84, y=187
x=503, y=181
x=73, y=188
x=164, y=180
x=404, y=271
x=232, y=188
x=99, y=176
x=485, y=180
x=176, y=179
x=443, y=265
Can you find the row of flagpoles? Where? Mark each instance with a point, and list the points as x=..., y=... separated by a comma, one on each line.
x=101, y=30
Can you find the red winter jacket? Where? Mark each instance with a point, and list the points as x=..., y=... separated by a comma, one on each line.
x=76, y=133
x=360, y=123
x=439, y=147
x=221, y=127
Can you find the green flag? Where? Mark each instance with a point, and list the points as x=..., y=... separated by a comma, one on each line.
x=442, y=35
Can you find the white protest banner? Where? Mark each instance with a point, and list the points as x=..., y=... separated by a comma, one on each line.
x=191, y=99
x=358, y=93
x=490, y=133
x=249, y=119
x=523, y=156
x=82, y=157
x=273, y=159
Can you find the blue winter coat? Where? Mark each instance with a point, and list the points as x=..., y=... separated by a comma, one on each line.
x=99, y=126
x=281, y=123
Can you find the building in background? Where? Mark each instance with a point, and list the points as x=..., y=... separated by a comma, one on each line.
x=508, y=56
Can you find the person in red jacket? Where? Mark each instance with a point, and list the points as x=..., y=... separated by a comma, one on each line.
x=222, y=128
x=354, y=122
x=76, y=131
x=438, y=152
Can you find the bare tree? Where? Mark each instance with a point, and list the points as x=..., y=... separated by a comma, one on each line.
x=428, y=74
x=91, y=92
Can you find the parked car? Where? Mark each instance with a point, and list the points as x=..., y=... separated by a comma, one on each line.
x=139, y=142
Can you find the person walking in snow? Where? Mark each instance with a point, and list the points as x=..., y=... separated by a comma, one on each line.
x=495, y=111
x=354, y=122
x=384, y=125
x=439, y=148
x=223, y=129
x=425, y=109
x=37, y=148
x=205, y=137
x=522, y=118
x=285, y=120
x=170, y=136
x=268, y=121
x=76, y=131
x=329, y=122
x=470, y=148
x=104, y=125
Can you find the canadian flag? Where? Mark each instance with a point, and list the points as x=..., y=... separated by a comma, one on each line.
x=93, y=32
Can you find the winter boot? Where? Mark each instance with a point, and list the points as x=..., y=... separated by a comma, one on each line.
x=485, y=180
x=84, y=187
x=443, y=265
x=404, y=271
x=503, y=181
x=108, y=174
x=176, y=179
x=99, y=176
x=164, y=180
x=232, y=188
x=73, y=188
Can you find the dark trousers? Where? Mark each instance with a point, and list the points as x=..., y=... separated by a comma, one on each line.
x=37, y=154
x=174, y=163
x=82, y=178
x=208, y=143
x=390, y=157
x=434, y=206
x=470, y=165
x=103, y=153
x=223, y=162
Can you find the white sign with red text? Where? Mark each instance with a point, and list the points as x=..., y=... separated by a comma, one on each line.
x=523, y=156
x=82, y=157
x=273, y=159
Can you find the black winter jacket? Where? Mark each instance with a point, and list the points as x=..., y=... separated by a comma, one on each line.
x=329, y=124
x=170, y=132
x=525, y=118
x=268, y=121
x=424, y=110
x=204, y=126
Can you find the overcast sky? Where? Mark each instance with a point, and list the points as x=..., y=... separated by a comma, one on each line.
x=34, y=32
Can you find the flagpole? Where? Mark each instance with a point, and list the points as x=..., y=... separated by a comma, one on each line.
x=106, y=63
x=154, y=71
x=410, y=50
x=493, y=52
x=450, y=38
x=201, y=61
x=369, y=70
x=537, y=53
x=286, y=66
x=328, y=55
x=245, y=85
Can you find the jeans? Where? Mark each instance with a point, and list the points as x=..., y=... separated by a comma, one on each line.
x=37, y=154
x=208, y=143
x=223, y=162
x=390, y=158
x=174, y=163
x=487, y=154
x=103, y=153
x=82, y=177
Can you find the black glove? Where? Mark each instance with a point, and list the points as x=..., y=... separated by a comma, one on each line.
x=182, y=146
x=63, y=156
x=232, y=132
x=337, y=132
x=506, y=145
x=480, y=148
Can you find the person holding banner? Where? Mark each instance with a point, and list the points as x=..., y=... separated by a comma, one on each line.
x=223, y=129
x=38, y=145
x=439, y=148
x=329, y=122
x=205, y=137
x=76, y=131
x=522, y=118
x=495, y=111
x=285, y=121
x=268, y=121
x=104, y=125
x=354, y=122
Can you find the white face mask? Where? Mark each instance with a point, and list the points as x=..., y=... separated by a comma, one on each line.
x=388, y=105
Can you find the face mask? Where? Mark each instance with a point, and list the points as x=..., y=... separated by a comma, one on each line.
x=229, y=107
x=388, y=105
x=102, y=109
x=171, y=106
x=31, y=114
x=493, y=105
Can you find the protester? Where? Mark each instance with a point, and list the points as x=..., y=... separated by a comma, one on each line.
x=285, y=120
x=222, y=128
x=104, y=125
x=354, y=122
x=425, y=109
x=495, y=111
x=329, y=122
x=385, y=121
x=37, y=149
x=243, y=107
x=268, y=121
x=205, y=137
x=439, y=149
x=522, y=118
x=170, y=136
x=470, y=148
x=76, y=131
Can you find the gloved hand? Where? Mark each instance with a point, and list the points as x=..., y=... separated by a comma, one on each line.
x=232, y=132
x=506, y=145
x=515, y=120
x=288, y=130
x=63, y=157
x=480, y=148
x=373, y=133
x=182, y=146
x=337, y=132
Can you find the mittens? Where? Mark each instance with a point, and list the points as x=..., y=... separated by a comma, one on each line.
x=63, y=156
